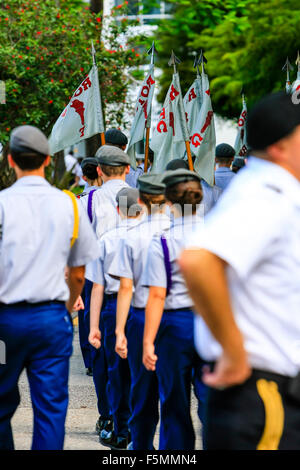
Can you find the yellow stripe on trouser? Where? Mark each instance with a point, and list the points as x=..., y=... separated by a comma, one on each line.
x=274, y=412
x=76, y=216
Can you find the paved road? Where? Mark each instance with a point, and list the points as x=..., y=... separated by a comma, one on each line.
x=82, y=412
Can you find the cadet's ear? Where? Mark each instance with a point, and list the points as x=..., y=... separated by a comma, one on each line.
x=127, y=170
x=10, y=160
x=47, y=160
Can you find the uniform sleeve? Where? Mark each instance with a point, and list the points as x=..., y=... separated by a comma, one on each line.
x=122, y=265
x=85, y=248
x=94, y=270
x=243, y=233
x=154, y=273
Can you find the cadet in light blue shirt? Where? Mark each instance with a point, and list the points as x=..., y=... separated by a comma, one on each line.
x=118, y=386
x=128, y=265
x=42, y=230
x=224, y=158
x=168, y=335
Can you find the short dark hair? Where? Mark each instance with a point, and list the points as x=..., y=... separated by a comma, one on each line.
x=109, y=170
x=150, y=155
x=152, y=201
x=188, y=192
x=90, y=171
x=28, y=160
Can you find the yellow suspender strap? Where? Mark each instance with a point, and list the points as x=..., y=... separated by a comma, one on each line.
x=274, y=415
x=76, y=216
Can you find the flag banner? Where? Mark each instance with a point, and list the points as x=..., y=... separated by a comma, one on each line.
x=202, y=127
x=82, y=117
x=142, y=117
x=170, y=130
x=240, y=145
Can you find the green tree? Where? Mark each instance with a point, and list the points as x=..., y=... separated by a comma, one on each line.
x=245, y=41
x=45, y=52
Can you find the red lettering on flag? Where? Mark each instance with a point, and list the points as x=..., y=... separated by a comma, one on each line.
x=192, y=95
x=207, y=121
x=86, y=83
x=196, y=140
x=150, y=81
x=173, y=93
x=207, y=92
x=81, y=131
x=171, y=122
x=162, y=127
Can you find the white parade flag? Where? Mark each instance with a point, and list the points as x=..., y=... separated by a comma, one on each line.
x=142, y=114
x=82, y=117
x=202, y=128
x=240, y=145
x=171, y=129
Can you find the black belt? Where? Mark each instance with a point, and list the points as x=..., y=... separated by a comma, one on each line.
x=111, y=296
x=31, y=304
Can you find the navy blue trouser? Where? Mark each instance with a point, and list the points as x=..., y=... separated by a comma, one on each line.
x=37, y=338
x=178, y=365
x=118, y=387
x=84, y=325
x=100, y=377
x=144, y=386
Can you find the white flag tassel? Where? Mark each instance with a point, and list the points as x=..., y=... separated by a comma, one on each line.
x=240, y=145
x=142, y=117
x=82, y=117
x=202, y=127
x=171, y=131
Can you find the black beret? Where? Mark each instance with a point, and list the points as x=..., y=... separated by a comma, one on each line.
x=274, y=117
x=224, y=151
x=170, y=178
x=127, y=198
x=177, y=163
x=239, y=162
x=115, y=137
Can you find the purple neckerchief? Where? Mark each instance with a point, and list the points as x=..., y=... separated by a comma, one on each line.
x=89, y=205
x=167, y=262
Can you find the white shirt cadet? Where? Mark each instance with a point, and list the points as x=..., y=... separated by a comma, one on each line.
x=105, y=215
x=131, y=254
x=36, y=226
x=155, y=274
x=98, y=270
x=84, y=197
x=255, y=228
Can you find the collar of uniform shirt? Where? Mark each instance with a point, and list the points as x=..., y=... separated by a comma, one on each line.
x=31, y=180
x=278, y=177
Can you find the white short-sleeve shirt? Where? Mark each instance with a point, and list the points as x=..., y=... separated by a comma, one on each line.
x=36, y=226
x=255, y=228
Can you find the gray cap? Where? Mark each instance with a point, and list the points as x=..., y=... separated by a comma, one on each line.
x=89, y=161
x=112, y=156
x=151, y=183
x=27, y=139
x=127, y=198
x=179, y=176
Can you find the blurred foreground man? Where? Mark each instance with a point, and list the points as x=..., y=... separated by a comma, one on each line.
x=42, y=230
x=243, y=274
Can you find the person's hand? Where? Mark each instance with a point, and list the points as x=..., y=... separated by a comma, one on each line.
x=79, y=305
x=95, y=337
x=228, y=371
x=121, y=345
x=149, y=357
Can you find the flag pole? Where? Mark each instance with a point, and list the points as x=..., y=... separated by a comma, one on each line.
x=102, y=135
x=173, y=61
x=288, y=66
x=151, y=51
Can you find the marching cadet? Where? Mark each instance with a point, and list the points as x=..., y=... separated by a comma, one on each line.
x=114, y=165
x=243, y=274
x=43, y=230
x=104, y=300
x=118, y=139
x=91, y=176
x=128, y=265
x=224, y=158
x=168, y=343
